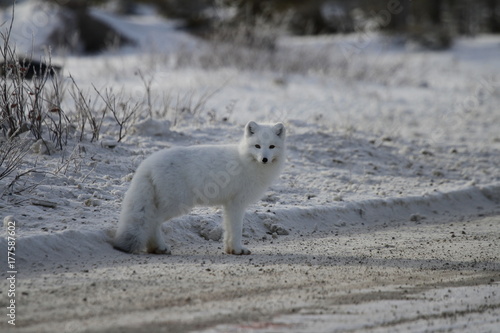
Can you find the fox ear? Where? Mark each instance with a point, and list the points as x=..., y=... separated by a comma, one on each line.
x=251, y=128
x=279, y=129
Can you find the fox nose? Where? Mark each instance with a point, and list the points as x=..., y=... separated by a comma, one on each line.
x=264, y=160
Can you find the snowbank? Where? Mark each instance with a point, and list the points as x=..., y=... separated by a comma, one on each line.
x=291, y=222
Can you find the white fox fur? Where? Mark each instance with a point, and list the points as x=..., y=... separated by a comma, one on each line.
x=170, y=182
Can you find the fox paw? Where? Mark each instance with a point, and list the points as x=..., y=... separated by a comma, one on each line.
x=157, y=250
x=240, y=251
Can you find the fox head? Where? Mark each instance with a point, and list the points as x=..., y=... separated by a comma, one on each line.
x=264, y=144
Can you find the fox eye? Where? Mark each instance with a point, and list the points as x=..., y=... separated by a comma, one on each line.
x=257, y=146
x=271, y=147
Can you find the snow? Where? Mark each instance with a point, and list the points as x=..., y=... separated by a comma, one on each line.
x=406, y=316
x=33, y=24
x=389, y=136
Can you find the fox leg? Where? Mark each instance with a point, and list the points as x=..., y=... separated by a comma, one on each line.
x=233, y=229
x=156, y=243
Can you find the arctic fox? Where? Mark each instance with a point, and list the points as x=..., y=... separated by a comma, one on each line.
x=170, y=182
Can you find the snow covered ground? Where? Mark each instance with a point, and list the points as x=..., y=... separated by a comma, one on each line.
x=383, y=140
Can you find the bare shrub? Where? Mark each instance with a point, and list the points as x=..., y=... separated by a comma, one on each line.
x=24, y=99
x=85, y=111
x=59, y=125
x=12, y=153
x=147, y=82
x=123, y=110
x=189, y=106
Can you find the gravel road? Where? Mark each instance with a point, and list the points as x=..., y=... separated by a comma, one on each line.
x=411, y=276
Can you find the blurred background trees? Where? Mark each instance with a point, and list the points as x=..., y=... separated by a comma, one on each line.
x=334, y=16
x=329, y=16
x=430, y=23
